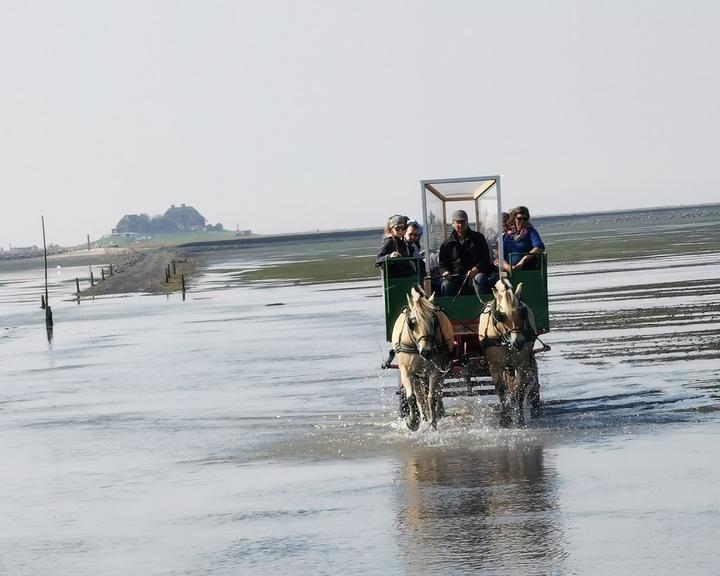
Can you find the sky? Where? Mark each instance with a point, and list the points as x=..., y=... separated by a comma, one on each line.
x=287, y=116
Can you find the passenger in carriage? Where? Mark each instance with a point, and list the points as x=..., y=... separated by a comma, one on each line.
x=465, y=262
x=412, y=236
x=395, y=246
x=521, y=241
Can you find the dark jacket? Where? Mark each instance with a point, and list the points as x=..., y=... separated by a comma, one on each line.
x=399, y=268
x=457, y=258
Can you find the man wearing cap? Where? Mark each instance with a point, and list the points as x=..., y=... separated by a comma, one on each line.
x=465, y=259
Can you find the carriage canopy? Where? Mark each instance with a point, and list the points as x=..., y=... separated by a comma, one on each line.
x=478, y=196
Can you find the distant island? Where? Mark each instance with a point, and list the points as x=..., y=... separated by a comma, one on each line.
x=176, y=219
x=178, y=224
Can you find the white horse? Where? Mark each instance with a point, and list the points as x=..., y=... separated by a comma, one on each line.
x=422, y=337
x=507, y=335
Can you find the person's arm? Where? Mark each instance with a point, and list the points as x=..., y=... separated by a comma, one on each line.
x=538, y=247
x=444, y=258
x=387, y=248
x=483, y=263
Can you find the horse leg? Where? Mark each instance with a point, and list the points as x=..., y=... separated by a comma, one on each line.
x=513, y=382
x=494, y=360
x=420, y=386
x=402, y=398
x=412, y=415
x=435, y=403
x=526, y=379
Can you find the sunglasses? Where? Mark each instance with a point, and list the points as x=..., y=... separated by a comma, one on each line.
x=400, y=227
x=414, y=235
x=522, y=218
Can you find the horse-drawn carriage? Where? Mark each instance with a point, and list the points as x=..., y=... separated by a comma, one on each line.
x=492, y=337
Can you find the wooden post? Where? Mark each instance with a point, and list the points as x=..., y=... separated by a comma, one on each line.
x=182, y=282
x=111, y=273
x=173, y=264
x=42, y=301
x=167, y=278
x=48, y=311
x=102, y=273
x=77, y=285
x=92, y=278
x=88, y=240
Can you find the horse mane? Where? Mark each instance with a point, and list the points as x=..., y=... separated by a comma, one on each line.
x=422, y=306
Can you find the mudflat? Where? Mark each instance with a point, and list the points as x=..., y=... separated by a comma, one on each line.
x=145, y=271
x=133, y=269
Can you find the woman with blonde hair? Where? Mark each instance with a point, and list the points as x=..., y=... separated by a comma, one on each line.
x=394, y=246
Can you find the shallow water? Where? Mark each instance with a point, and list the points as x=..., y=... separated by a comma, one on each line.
x=249, y=429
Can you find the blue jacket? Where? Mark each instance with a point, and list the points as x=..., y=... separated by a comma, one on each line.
x=522, y=246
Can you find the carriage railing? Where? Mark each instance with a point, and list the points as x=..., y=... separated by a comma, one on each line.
x=535, y=288
x=396, y=287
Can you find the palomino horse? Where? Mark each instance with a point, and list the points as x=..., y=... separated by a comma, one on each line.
x=507, y=335
x=422, y=337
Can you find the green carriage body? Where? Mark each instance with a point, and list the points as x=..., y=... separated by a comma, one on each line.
x=465, y=309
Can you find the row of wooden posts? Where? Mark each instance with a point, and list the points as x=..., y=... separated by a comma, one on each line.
x=169, y=274
x=92, y=278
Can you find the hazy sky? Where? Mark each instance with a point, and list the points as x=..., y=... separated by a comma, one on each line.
x=281, y=115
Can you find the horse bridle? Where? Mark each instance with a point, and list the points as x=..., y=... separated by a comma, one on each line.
x=499, y=318
x=410, y=323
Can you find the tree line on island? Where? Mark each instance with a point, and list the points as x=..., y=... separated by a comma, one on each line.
x=175, y=219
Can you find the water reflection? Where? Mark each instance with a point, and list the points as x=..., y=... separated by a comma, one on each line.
x=493, y=509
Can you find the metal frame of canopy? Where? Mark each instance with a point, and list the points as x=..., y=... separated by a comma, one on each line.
x=471, y=189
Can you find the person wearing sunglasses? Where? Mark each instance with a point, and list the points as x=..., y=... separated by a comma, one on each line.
x=394, y=246
x=521, y=241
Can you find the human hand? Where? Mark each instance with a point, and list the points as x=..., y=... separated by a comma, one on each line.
x=446, y=274
x=472, y=273
x=395, y=254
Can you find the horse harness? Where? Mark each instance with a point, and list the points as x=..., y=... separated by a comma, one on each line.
x=410, y=323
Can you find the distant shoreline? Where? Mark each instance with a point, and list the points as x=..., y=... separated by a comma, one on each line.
x=143, y=269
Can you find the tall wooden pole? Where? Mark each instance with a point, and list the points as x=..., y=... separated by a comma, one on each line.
x=48, y=311
x=42, y=218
